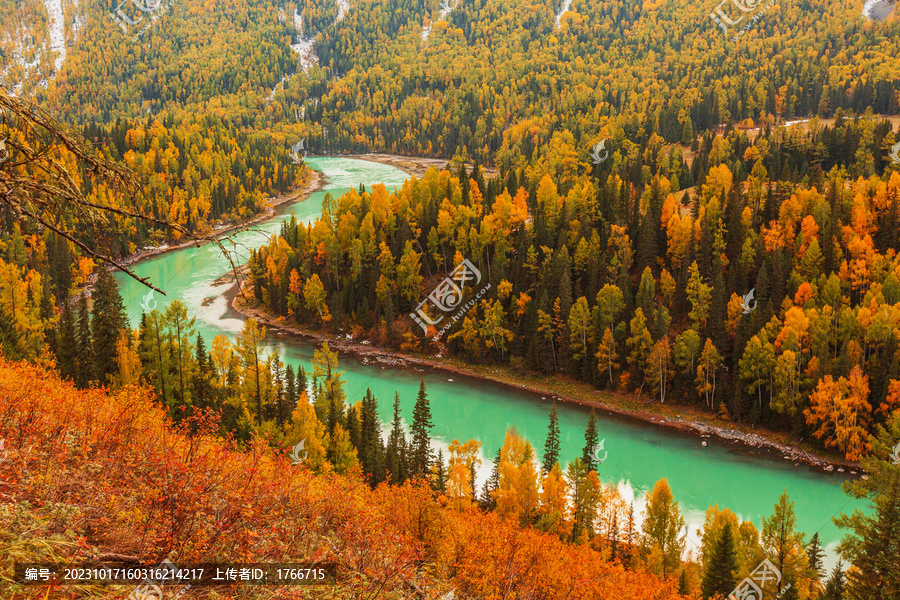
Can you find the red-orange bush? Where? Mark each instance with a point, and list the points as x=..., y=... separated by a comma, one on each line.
x=150, y=490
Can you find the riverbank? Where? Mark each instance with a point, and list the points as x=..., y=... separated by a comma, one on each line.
x=316, y=181
x=414, y=166
x=686, y=420
x=314, y=184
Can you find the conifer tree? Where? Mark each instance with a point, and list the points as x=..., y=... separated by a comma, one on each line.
x=815, y=553
x=333, y=414
x=682, y=584
x=420, y=448
x=109, y=318
x=341, y=452
x=10, y=344
x=202, y=378
x=720, y=573
x=835, y=587
x=873, y=547
x=440, y=473
x=352, y=425
x=66, y=345
x=586, y=492
x=290, y=386
x=302, y=380
x=488, y=502
x=395, y=453
x=782, y=542
x=630, y=537
x=372, y=448
x=551, y=446
x=84, y=373
x=590, y=443
x=155, y=357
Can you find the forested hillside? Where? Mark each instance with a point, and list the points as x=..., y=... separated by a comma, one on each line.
x=125, y=482
x=603, y=275
x=73, y=200
x=491, y=68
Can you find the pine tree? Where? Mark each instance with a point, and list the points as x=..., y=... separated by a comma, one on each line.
x=109, y=318
x=352, y=425
x=488, y=502
x=874, y=548
x=302, y=381
x=371, y=455
x=586, y=489
x=333, y=415
x=395, y=452
x=682, y=584
x=10, y=345
x=630, y=537
x=687, y=132
x=590, y=443
x=720, y=574
x=834, y=589
x=440, y=474
x=202, y=378
x=781, y=541
x=551, y=446
x=290, y=386
x=154, y=347
x=84, y=373
x=815, y=553
x=420, y=448
x=66, y=345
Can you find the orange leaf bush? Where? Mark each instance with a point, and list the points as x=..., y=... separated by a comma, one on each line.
x=147, y=489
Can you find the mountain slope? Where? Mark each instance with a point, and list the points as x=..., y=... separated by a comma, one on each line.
x=95, y=474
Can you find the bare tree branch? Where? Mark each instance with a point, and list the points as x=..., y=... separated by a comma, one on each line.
x=39, y=186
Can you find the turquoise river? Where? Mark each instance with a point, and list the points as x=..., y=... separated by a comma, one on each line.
x=638, y=454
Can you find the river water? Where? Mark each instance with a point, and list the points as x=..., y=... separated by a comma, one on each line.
x=638, y=454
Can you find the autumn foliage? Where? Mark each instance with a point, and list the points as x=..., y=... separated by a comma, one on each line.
x=137, y=486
